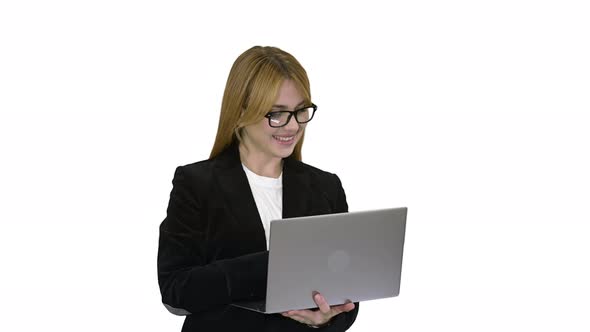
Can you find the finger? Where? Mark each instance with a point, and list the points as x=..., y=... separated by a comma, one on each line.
x=348, y=306
x=343, y=308
x=307, y=316
x=292, y=313
x=322, y=303
x=300, y=320
x=304, y=314
x=295, y=312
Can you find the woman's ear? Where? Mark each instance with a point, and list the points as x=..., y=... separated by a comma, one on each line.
x=238, y=133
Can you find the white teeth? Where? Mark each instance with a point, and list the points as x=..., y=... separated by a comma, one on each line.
x=284, y=139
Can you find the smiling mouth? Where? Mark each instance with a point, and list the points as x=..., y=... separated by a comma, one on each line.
x=284, y=138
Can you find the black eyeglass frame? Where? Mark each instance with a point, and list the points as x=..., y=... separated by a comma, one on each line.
x=291, y=113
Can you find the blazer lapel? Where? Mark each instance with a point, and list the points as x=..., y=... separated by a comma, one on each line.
x=236, y=189
x=296, y=190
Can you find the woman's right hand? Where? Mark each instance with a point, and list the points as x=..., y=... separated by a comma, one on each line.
x=317, y=318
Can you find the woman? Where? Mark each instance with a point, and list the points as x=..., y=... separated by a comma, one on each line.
x=213, y=242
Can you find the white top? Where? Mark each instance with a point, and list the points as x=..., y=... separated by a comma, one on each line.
x=268, y=195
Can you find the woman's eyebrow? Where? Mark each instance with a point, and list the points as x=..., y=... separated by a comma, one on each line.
x=285, y=106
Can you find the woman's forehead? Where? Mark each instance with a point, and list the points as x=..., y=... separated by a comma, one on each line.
x=288, y=96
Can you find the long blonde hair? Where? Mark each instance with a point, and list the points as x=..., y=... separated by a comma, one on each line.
x=251, y=90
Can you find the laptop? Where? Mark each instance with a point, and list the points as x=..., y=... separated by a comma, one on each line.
x=355, y=256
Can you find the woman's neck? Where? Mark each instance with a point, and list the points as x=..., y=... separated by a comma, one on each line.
x=259, y=163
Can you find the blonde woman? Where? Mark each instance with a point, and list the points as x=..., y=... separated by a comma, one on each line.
x=214, y=240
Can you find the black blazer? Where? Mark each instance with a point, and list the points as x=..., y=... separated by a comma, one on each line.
x=212, y=248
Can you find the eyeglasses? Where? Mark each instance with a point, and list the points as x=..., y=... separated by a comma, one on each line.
x=278, y=119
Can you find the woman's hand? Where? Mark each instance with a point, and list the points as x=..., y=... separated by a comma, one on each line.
x=319, y=317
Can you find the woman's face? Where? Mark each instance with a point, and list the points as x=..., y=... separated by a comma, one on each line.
x=271, y=142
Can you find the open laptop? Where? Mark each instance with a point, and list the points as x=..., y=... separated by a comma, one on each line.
x=354, y=256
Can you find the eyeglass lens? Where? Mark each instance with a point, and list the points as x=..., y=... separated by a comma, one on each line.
x=280, y=118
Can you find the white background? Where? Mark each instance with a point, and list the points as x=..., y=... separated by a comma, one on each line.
x=473, y=114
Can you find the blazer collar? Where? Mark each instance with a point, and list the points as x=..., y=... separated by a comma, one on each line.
x=234, y=183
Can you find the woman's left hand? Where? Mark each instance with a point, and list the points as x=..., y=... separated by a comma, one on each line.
x=321, y=316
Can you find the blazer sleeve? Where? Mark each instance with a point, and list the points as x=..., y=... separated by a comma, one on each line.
x=187, y=283
x=343, y=321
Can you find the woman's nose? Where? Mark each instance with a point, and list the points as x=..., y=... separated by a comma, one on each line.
x=292, y=125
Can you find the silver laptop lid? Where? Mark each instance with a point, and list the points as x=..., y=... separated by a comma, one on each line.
x=353, y=256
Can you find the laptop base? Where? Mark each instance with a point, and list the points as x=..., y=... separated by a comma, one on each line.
x=259, y=306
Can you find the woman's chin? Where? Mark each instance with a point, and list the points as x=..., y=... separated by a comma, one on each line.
x=283, y=152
